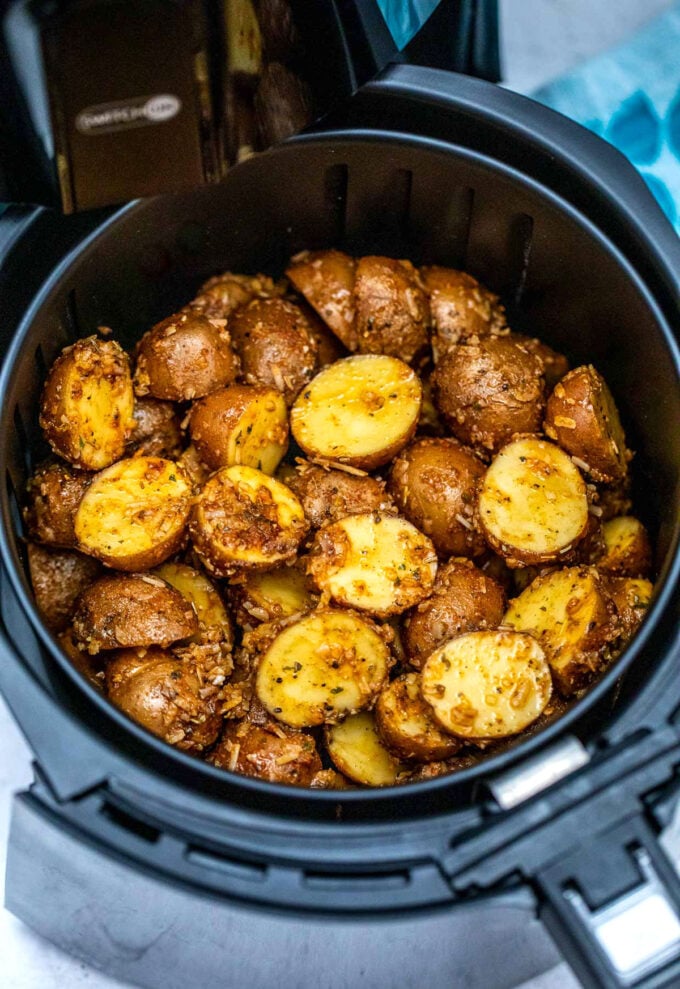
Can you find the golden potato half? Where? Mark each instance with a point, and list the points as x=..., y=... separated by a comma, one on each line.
x=360, y=411
x=485, y=685
x=134, y=514
x=326, y=279
x=265, y=596
x=214, y=623
x=322, y=668
x=242, y=424
x=357, y=750
x=627, y=550
x=405, y=723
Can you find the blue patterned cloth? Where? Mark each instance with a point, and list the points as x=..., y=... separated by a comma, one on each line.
x=631, y=97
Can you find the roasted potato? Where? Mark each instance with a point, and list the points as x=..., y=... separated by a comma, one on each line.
x=134, y=514
x=461, y=308
x=326, y=280
x=533, y=504
x=631, y=598
x=87, y=402
x=88, y=666
x=276, y=345
x=358, y=752
x=270, y=752
x=627, y=550
x=582, y=417
x=330, y=779
x=555, y=365
x=433, y=770
x=214, y=640
x=405, y=724
x=320, y=669
x=157, y=431
x=464, y=599
x=374, y=562
x=328, y=348
x=392, y=311
x=54, y=492
x=327, y=495
x=58, y=576
x=359, y=411
x=166, y=695
x=245, y=519
x=434, y=482
x=266, y=596
x=183, y=357
x=222, y=294
x=612, y=500
x=489, y=390
x=485, y=685
x=196, y=470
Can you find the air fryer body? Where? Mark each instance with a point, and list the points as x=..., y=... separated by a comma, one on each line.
x=163, y=870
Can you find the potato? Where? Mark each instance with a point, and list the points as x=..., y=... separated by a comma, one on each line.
x=464, y=599
x=631, y=598
x=357, y=751
x=222, y=294
x=58, y=577
x=489, y=390
x=555, y=365
x=241, y=424
x=269, y=752
x=157, y=431
x=568, y=612
x=129, y=611
x=485, y=685
x=165, y=695
x=245, y=519
x=392, y=311
x=322, y=668
x=276, y=346
x=461, y=308
x=359, y=411
x=627, y=550
x=134, y=514
x=215, y=635
x=196, y=470
x=328, y=348
x=404, y=723
x=183, y=357
x=433, y=770
x=327, y=495
x=265, y=596
x=533, y=506
x=87, y=402
x=434, y=482
x=54, y=492
x=582, y=417
x=612, y=500
x=326, y=280
x=375, y=562
x=330, y=779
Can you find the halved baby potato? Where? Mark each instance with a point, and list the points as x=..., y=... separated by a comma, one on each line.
x=392, y=310
x=134, y=514
x=86, y=410
x=405, y=724
x=58, y=577
x=357, y=751
x=327, y=494
x=533, y=506
x=265, y=596
x=245, y=519
x=241, y=424
x=54, y=492
x=360, y=411
x=375, y=562
x=320, y=669
x=461, y=308
x=326, y=280
x=627, y=550
x=214, y=623
x=485, y=685
x=631, y=597
x=223, y=293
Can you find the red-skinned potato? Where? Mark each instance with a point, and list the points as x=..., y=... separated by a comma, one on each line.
x=392, y=312
x=271, y=752
x=327, y=495
x=461, y=307
x=222, y=294
x=157, y=431
x=58, y=577
x=241, y=424
x=54, y=491
x=326, y=280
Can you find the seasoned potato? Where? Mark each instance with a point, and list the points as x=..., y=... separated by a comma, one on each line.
x=130, y=611
x=330, y=779
x=631, y=598
x=485, y=685
x=270, y=752
x=196, y=470
x=489, y=390
x=276, y=346
x=359, y=411
x=87, y=402
x=405, y=724
x=464, y=599
x=434, y=482
x=430, y=422
x=157, y=431
x=245, y=519
x=627, y=550
x=392, y=312
x=612, y=500
x=533, y=505
x=265, y=596
x=327, y=495
x=326, y=280
x=241, y=424
x=555, y=365
x=568, y=612
x=375, y=562
x=215, y=635
x=58, y=577
x=166, y=695
x=433, y=770
x=357, y=751
x=184, y=357
x=88, y=666
x=461, y=308
x=222, y=294
x=54, y=492
x=134, y=514
x=328, y=348
x=582, y=417
x=321, y=668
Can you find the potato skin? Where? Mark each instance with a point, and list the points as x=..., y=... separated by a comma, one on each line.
x=132, y=611
x=400, y=705
x=434, y=482
x=489, y=390
x=555, y=365
x=184, y=357
x=464, y=599
x=214, y=419
x=327, y=495
x=392, y=312
x=58, y=578
x=88, y=666
x=271, y=752
x=627, y=551
x=276, y=345
x=222, y=294
x=54, y=492
x=461, y=308
x=326, y=280
x=157, y=431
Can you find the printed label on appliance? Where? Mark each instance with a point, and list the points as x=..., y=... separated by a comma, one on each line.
x=140, y=111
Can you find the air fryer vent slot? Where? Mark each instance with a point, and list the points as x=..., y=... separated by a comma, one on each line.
x=237, y=868
x=21, y=436
x=15, y=510
x=130, y=824
x=356, y=880
x=335, y=199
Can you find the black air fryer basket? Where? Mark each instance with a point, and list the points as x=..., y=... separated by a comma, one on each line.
x=399, y=886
